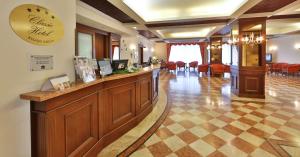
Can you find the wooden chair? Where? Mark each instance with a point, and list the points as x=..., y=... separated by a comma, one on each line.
x=193, y=64
x=171, y=66
x=217, y=69
x=203, y=68
x=180, y=64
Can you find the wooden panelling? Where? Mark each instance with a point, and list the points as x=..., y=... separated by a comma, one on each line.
x=269, y=6
x=145, y=92
x=147, y=34
x=251, y=84
x=83, y=122
x=290, y=16
x=121, y=101
x=181, y=23
x=110, y=10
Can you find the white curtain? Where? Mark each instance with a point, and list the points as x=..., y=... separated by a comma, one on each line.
x=116, y=53
x=226, y=54
x=185, y=53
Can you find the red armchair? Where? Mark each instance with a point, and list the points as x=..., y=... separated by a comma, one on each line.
x=180, y=64
x=203, y=68
x=226, y=68
x=292, y=69
x=217, y=69
x=171, y=66
x=193, y=64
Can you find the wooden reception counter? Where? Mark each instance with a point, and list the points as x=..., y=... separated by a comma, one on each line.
x=85, y=118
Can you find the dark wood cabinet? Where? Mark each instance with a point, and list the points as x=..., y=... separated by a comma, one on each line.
x=84, y=121
x=121, y=105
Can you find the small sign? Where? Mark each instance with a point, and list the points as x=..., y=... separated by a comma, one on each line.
x=41, y=62
x=36, y=24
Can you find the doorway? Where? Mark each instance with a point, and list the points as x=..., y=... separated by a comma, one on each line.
x=141, y=55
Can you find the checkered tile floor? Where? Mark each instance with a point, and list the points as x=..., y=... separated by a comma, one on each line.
x=205, y=121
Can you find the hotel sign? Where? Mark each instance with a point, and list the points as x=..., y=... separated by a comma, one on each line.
x=36, y=24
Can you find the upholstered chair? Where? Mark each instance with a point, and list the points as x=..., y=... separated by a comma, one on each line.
x=180, y=64
x=193, y=64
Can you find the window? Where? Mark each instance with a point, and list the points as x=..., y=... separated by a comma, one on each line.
x=85, y=45
x=116, y=52
x=226, y=54
x=185, y=53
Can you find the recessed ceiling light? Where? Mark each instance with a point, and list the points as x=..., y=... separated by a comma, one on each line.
x=134, y=27
x=191, y=34
x=161, y=10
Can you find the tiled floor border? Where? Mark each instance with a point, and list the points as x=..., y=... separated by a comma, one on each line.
x=148, y=134
x=276, y=144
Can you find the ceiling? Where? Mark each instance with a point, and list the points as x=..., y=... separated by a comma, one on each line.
x=186, y=20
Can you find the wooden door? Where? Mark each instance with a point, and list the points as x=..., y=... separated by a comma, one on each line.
x=141, y=55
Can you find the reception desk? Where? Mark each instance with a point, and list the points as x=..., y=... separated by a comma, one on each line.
x=82, y=120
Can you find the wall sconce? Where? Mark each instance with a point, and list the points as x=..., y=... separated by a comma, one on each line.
x=132, y=47
x=297, y=46
x=273, y=48
x=152, y=49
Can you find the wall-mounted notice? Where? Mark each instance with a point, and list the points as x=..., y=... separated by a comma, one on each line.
x=36, y=24
x=41, y=62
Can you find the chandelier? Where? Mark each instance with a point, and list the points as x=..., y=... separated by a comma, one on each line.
x=233, y=41
x=247, y=39
x=252, y=39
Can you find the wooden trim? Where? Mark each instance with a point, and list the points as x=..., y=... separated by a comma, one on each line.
x=181, y=23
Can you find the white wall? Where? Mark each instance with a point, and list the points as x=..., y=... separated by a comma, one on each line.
x=160, y=51
x=16, y=77
x=129, y=45
x=286, y=51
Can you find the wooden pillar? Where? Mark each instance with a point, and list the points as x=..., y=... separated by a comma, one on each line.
x=248, y=59
x=216, y=50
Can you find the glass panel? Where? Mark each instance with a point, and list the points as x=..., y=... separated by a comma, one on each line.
x=250, y=55
x=226, y=54
x=116, y=53
x=235, y=55
x=85, y=45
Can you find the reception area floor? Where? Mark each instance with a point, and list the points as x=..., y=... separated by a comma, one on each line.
x=205, y=119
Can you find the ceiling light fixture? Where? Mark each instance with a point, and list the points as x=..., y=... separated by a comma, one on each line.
x=252, y=39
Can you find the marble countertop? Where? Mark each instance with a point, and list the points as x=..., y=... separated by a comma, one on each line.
x=40, y=96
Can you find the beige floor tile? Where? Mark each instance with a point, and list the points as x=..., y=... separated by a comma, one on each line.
x=240, y=125
x=261, y=153
x=176, y=128
x=198, y=131
x=265, y=128
x=276, y=120
x=252, y=139
x=232, y=115
x=174, y=143
x=152, y=140
x=253, y=117
x=218, y=123
x=202, y=147
x=223, y=134
x=232, y=151
x=142, y=153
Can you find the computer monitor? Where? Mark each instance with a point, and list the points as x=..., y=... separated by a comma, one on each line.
x=268, y=57
x=105, y=67
x=119, y=64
